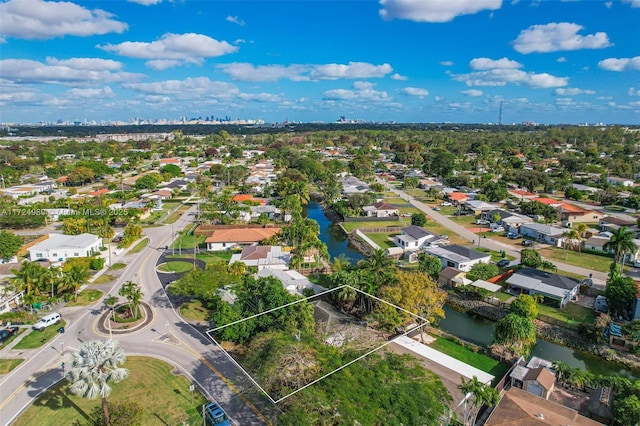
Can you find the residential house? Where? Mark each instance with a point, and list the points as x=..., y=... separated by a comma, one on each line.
x=449, y=276
x=572, y=214
x=522, y=195
x=54, y=214
x=478, y=207
x=543, y=233
x=519, y=407
x=510, y=221
x=618, y=181
x=459, y=257
x=550, y=202
x=551, y=286
x=381, y=210
x=353, y=185
x=613, y=223
x=414, y=237
x=596, y=243
x=226, y=239
x=458, y=198
x=293, y=281
x=179, y=184
x=263, y=257
x=59, y=247
x=429, y=183
x=585, y=188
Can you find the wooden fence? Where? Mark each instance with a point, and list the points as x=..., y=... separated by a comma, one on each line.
x=386, y=230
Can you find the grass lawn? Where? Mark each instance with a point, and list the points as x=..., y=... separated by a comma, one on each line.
x=382, y=240
x=495, y=255
x=439, y=229
x=86, y=297
x=466, y=355
x=395, y=200
x=6, y=365
x=502, y=296
x=189, y=241
x=12, y=338
x=176, y=215
x=118, y=266
x=195, y=311
x=35, y=338
x=416, y=192
x=468, y=221
x=207, y=258
x=176, y=266
x=584, y=260
x=165, y=398
x=138, y=247
x=572, y=313
x=351, y=226
x=105, y=278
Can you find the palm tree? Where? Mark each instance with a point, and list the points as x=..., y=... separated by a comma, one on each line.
x=482, y=395
x=621, y=243
x=571, y=240
x=28, y=277
x=377, y=262
x=50, y=278
x=131, y=291
x=340, y=263
x=563, y=371
x=78, y=276
x=582, y=229
x=95, y=365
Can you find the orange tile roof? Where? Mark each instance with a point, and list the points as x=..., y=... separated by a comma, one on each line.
x=242, y=197
x=241, y=235
x=170, y=160
x=98, y=192
x=458, y=196
x=549, y=201
x=62, y=179
x=574, y=209
x=522, y=193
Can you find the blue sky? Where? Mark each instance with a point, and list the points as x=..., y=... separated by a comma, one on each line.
x=381, y=60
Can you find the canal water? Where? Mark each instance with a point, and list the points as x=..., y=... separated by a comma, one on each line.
x=330, y=234
x=465, y=326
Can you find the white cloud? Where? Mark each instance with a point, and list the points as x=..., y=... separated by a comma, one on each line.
x=362, y=90
x=564, y=102
x=298, y=72
x=352, y=70
x=561, y=59
x=573, y=91
x=235, y=20
x=446, y=63
x=105, y=92
x=192, y=87
x=260, y=97
x=37, y=19
x=608, y=4
x=489, y=64
x=163, y=64
x=620, y=64
x=416, y=91
x=146, y=2
x=70, y=71
x=472, y=92
x=434, y=10
x=500, y=72
x=557, y=36
x=399, y=77
x=438, y=98
x=633, y=92
x=633, y=3
x=190, y=47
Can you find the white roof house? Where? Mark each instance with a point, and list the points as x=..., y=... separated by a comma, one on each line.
x=293, y=281
x=459, y=257
x=263, y=257
x=59, y=247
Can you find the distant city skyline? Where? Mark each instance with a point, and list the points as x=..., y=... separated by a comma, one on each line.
x=405, y=61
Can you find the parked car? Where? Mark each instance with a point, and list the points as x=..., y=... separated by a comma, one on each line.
x=502, y=263
x=446, y=203
x=436, y=209
x=46, y=321
x=7, y=332
x=497, y=229
x=482, y=222
x=509, y=235
x=527, y=243
x=214, y=415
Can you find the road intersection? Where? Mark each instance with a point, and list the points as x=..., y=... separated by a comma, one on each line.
x=167, y=337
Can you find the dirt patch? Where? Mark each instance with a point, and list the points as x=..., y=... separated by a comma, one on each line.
x=569, y=398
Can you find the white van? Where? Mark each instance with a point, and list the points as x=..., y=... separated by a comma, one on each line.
x=46, y=321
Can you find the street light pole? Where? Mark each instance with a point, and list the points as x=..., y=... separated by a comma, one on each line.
x=62, y=345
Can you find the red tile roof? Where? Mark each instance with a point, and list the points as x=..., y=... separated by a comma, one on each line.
x=549, y=201
x=241, y=235
x=458, y=196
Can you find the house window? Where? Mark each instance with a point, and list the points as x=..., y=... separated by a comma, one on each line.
x=39, y=255
x=54, y=254
x=76, y=254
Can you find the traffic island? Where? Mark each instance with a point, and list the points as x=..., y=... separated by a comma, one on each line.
x=107, y=325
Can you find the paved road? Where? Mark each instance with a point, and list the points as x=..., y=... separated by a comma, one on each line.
x=168, y=337
x=598, y=277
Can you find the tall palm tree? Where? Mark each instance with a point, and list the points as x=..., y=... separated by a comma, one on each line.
x=621, y=243
x=50, y=278
x=78, y=276
x=563, y=371
x=131, y=291
x=95, y=365
x=378, y=261
x=582, y=229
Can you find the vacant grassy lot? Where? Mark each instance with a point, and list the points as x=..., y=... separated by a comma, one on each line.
x=6, y=365
x=165, y=398
x=195, y=311
x=86, y=297
x=176, y=266
x=189, y=241
x=176, y=215
x=584, y=260
x=351, y=226
x=206, y=257
x=439, y=229
x=382, y=239
x=468, y=221
x=139, y=247
x=35, y=339
x=495, y=255
x=466, y=355
x=572, y=313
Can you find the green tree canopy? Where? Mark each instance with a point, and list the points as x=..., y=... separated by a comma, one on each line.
x=418, y=219
x=525, y=306
x=482, y=271
x=620, y=293
x=530, y=257
x=9, y=245
x=516, y=331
